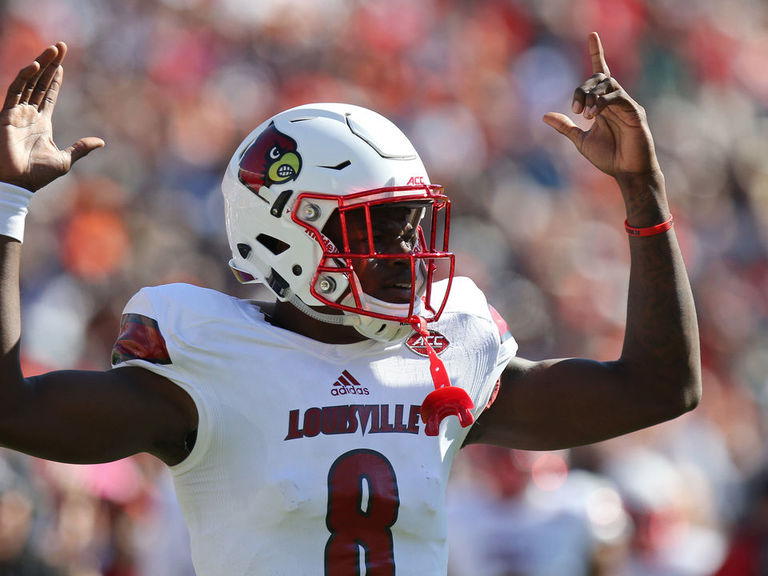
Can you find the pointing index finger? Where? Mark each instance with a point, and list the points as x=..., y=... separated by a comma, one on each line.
x=597, y=56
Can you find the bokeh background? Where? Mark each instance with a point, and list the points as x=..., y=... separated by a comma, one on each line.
x=174, y=85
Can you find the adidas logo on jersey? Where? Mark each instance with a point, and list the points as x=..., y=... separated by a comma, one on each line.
x=347, y=384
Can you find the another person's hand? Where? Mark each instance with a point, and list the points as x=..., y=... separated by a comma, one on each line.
x=619, y=141
x=28, y=155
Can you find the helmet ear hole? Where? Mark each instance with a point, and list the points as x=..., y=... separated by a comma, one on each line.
x=274, y=245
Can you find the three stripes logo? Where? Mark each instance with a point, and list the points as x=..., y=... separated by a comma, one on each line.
x=347, y=384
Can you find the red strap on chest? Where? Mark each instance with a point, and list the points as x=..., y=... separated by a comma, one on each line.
x=445, y=400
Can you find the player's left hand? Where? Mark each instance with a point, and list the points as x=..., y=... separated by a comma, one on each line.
x=619, y=141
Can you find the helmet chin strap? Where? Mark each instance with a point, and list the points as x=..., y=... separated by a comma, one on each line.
x=368, y=326
x=376, y=328
x=338, y=319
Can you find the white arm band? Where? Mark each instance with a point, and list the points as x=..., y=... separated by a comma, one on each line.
x=14, y=201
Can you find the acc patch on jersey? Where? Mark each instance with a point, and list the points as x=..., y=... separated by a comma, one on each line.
x=140, y=338
x=435, y=339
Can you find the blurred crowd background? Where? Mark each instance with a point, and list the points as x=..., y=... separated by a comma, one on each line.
x=174, y=85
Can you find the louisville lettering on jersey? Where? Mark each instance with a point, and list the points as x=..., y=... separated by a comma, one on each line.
x=353, y=418
x=140, y=338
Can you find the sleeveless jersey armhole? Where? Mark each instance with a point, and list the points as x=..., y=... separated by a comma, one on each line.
x=142, y=343
x=204, y=429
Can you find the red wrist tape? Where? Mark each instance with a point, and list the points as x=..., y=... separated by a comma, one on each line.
x=650, y=230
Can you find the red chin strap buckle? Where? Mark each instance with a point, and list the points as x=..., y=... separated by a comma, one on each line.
x=445, y=400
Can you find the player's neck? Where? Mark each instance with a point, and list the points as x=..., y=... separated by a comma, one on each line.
x=286, y=316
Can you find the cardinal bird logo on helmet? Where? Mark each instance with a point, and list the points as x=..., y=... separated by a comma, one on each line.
x=271, y=159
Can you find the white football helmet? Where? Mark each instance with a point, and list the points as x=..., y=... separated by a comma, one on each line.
x=291, y=174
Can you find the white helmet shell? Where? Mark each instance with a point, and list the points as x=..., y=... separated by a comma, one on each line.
x=286, y=179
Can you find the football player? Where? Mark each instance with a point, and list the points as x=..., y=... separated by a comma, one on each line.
x=315, y=433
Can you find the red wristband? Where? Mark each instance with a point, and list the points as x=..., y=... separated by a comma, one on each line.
x=650, y=230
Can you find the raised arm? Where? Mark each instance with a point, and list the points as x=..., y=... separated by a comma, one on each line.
x=568, y=402
x=73, y=416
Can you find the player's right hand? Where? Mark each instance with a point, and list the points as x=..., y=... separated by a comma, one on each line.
x=28, y=155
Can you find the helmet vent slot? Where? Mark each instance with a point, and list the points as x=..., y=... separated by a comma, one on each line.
x=274, y=245
x=243, y=249
x=339, y=166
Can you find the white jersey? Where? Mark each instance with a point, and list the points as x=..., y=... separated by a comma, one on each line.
x=311, y=458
